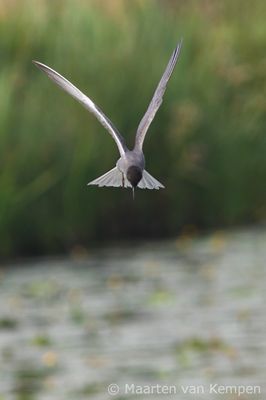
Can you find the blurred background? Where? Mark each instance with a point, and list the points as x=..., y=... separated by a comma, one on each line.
x=210, y=128
x=111, y=310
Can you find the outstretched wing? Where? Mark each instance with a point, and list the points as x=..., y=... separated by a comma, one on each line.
x=157, y=99
x=86, y=102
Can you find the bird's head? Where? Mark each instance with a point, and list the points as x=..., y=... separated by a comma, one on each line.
x=134, y=175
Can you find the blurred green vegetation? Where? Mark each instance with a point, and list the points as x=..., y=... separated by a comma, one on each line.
x=207, y=143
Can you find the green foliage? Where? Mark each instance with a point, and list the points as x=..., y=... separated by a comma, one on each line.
x=8, y=323
x=207, y=143
x=41, y=341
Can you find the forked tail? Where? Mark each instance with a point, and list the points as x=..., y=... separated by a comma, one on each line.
x=115, y=178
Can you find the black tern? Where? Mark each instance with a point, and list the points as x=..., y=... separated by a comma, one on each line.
x=130, y=168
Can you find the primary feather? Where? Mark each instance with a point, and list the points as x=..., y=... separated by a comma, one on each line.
x=156, y=99
x=67, y=86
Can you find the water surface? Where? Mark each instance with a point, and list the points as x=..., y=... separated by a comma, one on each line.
x=186, y=312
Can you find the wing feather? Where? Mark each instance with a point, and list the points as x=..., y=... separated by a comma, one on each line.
x=157, y=99
x=67, y=86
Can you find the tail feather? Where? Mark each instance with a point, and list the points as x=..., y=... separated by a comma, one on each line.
x=110, y=178
x=114, y=178
x=148, y=182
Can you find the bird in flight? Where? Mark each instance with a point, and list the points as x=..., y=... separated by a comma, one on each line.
x=130, y=167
